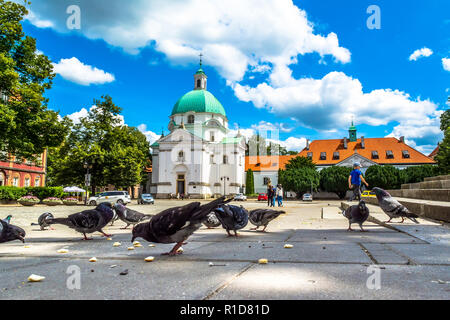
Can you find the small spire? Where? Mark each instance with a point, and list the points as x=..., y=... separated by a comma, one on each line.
x=162, y=132
x=201, y=62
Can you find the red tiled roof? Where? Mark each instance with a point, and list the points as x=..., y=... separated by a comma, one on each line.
x=434, y=153
x=381, y=145
x=266, y=163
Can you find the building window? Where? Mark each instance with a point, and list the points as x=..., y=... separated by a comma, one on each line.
x=2, y=179
x=310, y=155
x=266, y=181
x=15, y=181
x=212, y=137
x=375, y=155
x=181, y=156
x=211, y=159
x=37, y=182
x=199, y=83
x=27, y=182
x=323, y=156
x=405, y=154
x=225, y=160
x=389, y=154
x=336, y=155
x=191, y=119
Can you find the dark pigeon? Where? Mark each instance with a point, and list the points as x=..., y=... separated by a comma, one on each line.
x=392, y=207
x=129, y=216
x=88, y=221
x=212, y=221
x=175, y=225
x=262, y=217
x=43, y=221
x=9, y=232
x=232, y=218
x=356, y=214
x=8, y=219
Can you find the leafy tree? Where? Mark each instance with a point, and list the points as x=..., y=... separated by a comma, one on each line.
x=249, y=183
x=386, y=177
x=445, y=119
x=118, y=154
x=300, y=162
x=27, y=127
x=299, y=180
x=443, y=155
x=418, y=173
x=335, y=179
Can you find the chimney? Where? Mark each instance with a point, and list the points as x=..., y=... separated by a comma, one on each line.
x=363, y=143
x=345, y=143
x=307, y=144
x=402, y=139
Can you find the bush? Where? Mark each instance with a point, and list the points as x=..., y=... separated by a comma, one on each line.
x=14, y=193
x=386, y=177
x=419, y=173
x=28, y=200
x=11, y=193
x=335, y=179
x=52, y=201
x=249, y=183
x=70, y=201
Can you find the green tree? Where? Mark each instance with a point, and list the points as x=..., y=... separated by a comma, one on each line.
x=335, y=179
x=118, y=154
x=300, y=162
x=299, y=180
x=27, y=127
x=386, y=177
x=443, y=155
x=418, y=173
x=249, y=183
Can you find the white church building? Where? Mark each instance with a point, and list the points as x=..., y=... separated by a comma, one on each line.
x=198, y=158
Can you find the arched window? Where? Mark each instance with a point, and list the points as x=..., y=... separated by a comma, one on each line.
x=181, y=156
x=27, y=182
x=211, y=159
x=225, y=160
x=199, y=83
x=191, y=119
x=37, y=181
x=2, y=179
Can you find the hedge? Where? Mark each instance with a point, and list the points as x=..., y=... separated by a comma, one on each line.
x=8, y=193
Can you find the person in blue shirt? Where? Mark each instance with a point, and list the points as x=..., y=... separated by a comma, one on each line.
x=354, y=181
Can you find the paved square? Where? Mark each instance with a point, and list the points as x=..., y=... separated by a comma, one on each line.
x=325, y=262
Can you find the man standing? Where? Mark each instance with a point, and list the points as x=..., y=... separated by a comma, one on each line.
x=269, y=195
x=354, y=181
x=280, y=195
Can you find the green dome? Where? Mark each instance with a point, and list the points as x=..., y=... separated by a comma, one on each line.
x=198, y=101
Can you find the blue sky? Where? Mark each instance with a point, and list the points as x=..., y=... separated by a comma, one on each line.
x=304, y=68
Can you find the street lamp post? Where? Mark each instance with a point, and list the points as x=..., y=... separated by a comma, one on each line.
x=87, y=179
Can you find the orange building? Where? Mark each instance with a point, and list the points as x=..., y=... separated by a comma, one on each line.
x=21, y=172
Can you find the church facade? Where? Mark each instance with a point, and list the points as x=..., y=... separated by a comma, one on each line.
x=198, y=158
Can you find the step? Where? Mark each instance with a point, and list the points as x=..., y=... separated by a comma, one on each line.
x=424, y=194
x=436, y=210
x=435, y=184
x=444, y=177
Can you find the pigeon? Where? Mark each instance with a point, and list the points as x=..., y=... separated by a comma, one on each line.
x=175, y=225
x=232, y=218
x=212, y=221
x=130, y=216
x=88, y=221
x=9, y=232
x=356, y=214
x=115, y=218
x=392, y=207
x=262, y=217
x=43, y=221
x=8, y=219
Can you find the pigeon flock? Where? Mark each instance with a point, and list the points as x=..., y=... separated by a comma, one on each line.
x=176, y=225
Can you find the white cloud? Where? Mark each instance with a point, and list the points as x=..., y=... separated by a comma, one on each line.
x=83, y=113
x=37, y=21
x=446, y=64
x=420, y=53
x=151, y=136
x=75, y=71
x=235, y=36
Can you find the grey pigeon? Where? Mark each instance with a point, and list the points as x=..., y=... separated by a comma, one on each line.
x=232, y=218
x=88, y=221
x=212, y=221
x=9, y=232
x=129, y=216
x=262, y=217
x=8, y=219
x=356, y=214
x=392, y=207
x=175, y=225
x=43, y=221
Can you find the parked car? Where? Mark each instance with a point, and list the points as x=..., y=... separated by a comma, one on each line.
x=146, y=198
x=121, y=197
x=240, y=197
x=262, y=197
x=369, y=194
x=307, y=197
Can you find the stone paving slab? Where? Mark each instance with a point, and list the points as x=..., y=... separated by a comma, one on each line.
x=425, y=254
x=384, y=255
x=334, y=281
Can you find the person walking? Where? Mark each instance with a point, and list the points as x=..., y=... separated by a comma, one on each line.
x=269, y=192
x=354, y=181
x=274, y=195
x=280, y=195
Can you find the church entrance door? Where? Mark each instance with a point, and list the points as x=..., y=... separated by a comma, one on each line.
x=181, y=184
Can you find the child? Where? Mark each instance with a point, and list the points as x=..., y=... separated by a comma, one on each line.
x=354, y=181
